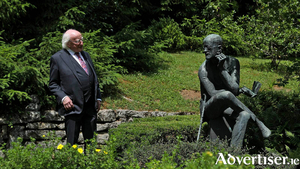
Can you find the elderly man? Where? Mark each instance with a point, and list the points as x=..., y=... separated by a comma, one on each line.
x=74, y=82
x=219, y=79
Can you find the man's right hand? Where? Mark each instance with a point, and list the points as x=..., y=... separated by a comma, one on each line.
x=68, y=104
x=223, y=63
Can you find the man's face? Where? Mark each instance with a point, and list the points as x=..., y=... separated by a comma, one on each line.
x=76, y=41
x=210, y=49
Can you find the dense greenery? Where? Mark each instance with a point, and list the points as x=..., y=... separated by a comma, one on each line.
x=154, y=137
x=131, y=37
x=158, y=142
x=125, y=36
x=55, y=155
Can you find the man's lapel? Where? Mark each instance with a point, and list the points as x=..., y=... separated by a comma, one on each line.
x=66, y=57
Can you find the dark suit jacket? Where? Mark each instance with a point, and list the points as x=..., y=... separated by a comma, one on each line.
x=64, y=81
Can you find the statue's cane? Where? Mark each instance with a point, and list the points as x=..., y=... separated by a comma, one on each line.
x=202, y=115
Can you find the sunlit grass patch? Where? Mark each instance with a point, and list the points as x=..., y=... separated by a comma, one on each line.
x=161, y=90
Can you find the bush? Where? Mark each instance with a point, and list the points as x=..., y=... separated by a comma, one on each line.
x=166, y=141
x=102, y=49
x=148, y=131
x=168, y=33
x=25, y=71
x=185, y=151
x=135, y=50
x=280, y=113
x=21, y=74
x=55, y=155
x=196, y=29
x=176, y=152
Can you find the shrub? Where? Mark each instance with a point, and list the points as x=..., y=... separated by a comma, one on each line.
x=135, y=50
x=168, y=33
x=174, y=153
x=148, y=131
x=102, y=49
x=55, y=155
x=21, y=74
x=280, y=113
x=26, y=71
x=196, y=29
x=273, y=31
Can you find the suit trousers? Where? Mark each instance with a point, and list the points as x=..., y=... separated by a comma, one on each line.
x=87, y=120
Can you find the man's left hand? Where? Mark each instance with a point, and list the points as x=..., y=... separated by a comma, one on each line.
x=99, y=105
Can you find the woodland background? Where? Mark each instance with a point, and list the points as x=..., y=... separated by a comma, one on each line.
x=134, y=41
x=125, y=36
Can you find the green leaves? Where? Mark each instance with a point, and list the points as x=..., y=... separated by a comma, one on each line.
x=70, y=19
x=18, y=76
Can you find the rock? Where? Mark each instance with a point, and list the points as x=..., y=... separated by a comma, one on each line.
x=36, y=124
x=51, y=115
x=122, y=113
x=102, y=138
x=31, y=116
x=34, y=105
x=102, y=127
x=3, y=120
x=158, y=114
x=8, y=119
x=114, y=124
x=130, y=119
x=15, y=132
x=123, y=120
x=3, y=132
x=141, y=114
x=2, y=155
x=80, y=138
x=41, y=125
x=38, y=134
x=106, y=115
x=60, y=126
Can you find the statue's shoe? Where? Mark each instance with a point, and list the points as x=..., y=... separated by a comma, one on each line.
x=264, y=130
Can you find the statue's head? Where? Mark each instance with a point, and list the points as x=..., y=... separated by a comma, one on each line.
x=212, y=45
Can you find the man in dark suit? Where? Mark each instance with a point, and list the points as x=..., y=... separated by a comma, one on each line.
x=74, y=82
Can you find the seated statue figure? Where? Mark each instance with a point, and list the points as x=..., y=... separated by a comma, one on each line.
x=219, y=77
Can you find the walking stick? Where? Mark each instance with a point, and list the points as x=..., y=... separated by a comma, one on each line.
x=202, y=114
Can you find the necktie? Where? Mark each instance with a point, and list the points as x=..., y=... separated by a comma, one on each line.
x=83, y=65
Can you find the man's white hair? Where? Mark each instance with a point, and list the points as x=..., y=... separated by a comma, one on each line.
x=65, y=40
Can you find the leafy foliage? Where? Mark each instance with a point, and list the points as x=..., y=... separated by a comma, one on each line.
x=168, y=33
x=273, y=31
x=136, y=50
x=55, y=155
x=19, y=76
x=102, y=49
x=11, y=11
x=25, y=72
x=280, y=112
x=149, y=131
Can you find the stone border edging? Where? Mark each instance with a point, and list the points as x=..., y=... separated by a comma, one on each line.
x=35, y=124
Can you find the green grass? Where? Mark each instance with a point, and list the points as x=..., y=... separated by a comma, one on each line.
x=160, y=91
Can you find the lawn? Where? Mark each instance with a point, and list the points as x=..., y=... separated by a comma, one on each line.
x=175, y=86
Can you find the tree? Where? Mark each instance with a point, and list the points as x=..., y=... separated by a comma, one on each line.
x=273, y=32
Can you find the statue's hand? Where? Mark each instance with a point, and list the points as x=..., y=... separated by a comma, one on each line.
x=223, y=63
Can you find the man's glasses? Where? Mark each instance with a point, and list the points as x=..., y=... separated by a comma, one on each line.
x=77, y=41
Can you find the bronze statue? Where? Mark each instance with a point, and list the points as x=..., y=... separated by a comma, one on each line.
x=219, y=77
